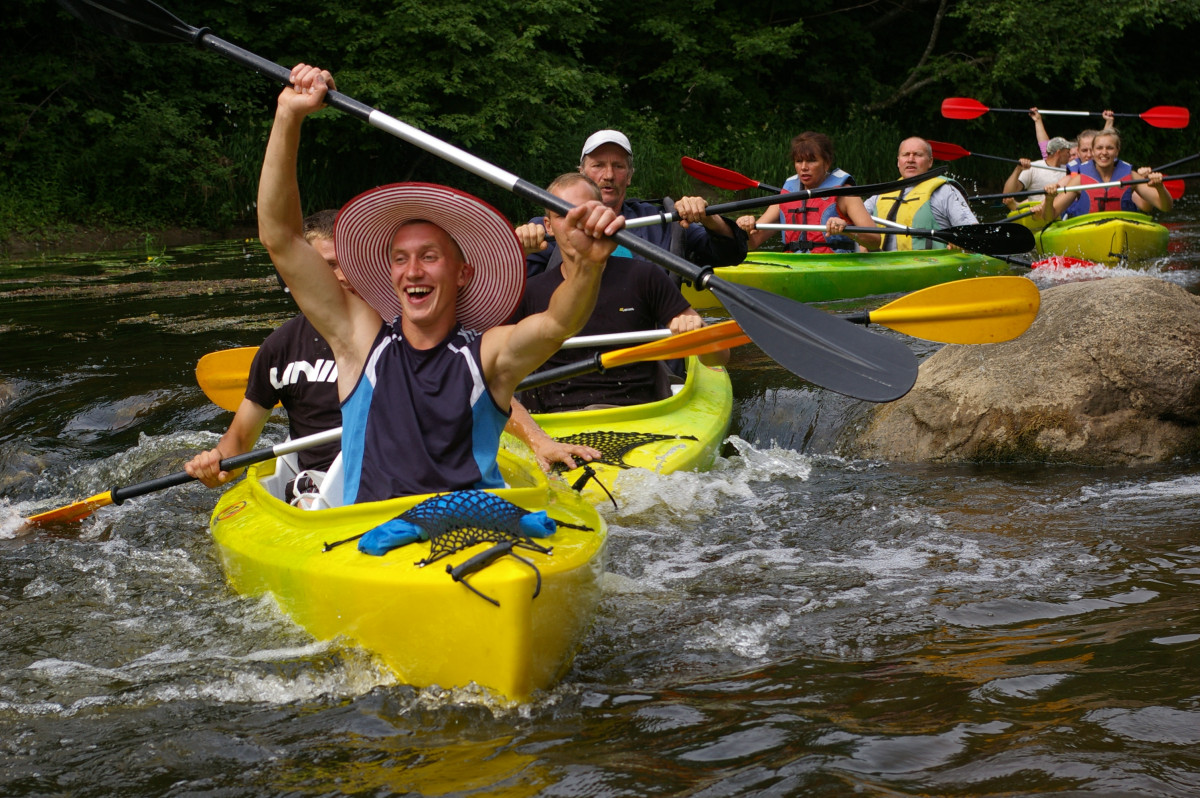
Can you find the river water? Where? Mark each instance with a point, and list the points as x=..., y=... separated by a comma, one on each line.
x=790, y=623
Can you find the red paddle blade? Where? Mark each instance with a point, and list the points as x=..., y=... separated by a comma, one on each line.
x=716, y=175
x=1174, y=188
x=962, y=108
x=947, y=152
x=1167, y=116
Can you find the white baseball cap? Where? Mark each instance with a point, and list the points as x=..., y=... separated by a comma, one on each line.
x=602, y=137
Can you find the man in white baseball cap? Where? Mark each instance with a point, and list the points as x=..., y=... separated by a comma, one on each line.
x=426, y=367
x=607, y=158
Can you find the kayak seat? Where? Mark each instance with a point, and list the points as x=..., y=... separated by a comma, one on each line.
x=329, y=490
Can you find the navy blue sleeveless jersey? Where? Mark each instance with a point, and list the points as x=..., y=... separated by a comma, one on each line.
x=420, y=421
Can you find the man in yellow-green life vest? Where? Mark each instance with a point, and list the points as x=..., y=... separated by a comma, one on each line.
x=935, y=204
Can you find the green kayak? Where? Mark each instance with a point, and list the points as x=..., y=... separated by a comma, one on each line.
x=822, y=278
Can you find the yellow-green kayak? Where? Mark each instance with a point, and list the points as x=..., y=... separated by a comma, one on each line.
x=824, y=278
x=1034, y=222
x=425, y=626
x=683, y=432
x=1106, y=237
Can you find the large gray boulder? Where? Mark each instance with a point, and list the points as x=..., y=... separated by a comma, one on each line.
x=1108, y=374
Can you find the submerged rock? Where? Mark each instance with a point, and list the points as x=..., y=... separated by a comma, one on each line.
x=1108, y=374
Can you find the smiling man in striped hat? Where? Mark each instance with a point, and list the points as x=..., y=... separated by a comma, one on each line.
x=426, y=367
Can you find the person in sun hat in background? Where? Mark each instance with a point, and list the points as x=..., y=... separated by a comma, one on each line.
x=293, y=367
x=607, y=158
x=426, y=369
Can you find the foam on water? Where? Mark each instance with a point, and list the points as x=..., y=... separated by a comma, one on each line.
x=690, y=496
x=805, y=555
x=12, y=518
x=1161, y=269
x=749, y=640
x=1182, y=487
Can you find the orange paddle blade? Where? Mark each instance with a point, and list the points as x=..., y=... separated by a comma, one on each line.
x=222, y=376
x=73, y=512
x=712, y=338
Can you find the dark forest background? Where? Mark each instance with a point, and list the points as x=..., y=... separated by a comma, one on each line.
x=99, y=132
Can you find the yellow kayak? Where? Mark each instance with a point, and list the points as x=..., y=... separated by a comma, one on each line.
x=1106, y=237
x=425, y=626
x=1034, y=223
x=683, y=432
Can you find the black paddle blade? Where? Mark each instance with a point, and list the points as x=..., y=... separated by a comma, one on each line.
x=134, y=20
x=1003, y=238
x=820, y=347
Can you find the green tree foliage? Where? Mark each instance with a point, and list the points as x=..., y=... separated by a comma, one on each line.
x=99, y=131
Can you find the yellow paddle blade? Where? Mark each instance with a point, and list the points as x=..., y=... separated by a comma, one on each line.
x=222, y=376
x=73, y=512
x=979, y=310
x=725, y=335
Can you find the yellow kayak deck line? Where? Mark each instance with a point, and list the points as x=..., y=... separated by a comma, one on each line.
x=426, y=627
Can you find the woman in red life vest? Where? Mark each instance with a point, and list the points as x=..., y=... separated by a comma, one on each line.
x=812, y=155
x=1106, y=167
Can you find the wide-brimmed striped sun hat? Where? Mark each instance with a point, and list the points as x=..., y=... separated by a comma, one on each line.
x=367, y=224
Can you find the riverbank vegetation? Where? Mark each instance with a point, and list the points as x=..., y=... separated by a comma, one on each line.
x=98, y=132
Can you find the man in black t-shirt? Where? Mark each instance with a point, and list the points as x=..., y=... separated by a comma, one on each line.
x=293, y=367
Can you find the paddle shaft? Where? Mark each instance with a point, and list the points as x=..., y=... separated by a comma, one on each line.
x=1083, y=187
x=1047, y=112
x=516, y=185
x=82, y=509
x=1191, y=157
x=448, y=152
x=615, y=339
x=1017, y=160
x=712, y=338
x=119, y=495
x=908, y=231
x=760, y=202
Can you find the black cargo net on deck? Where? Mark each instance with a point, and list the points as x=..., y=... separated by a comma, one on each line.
x=613, y=446
x=456, y=521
